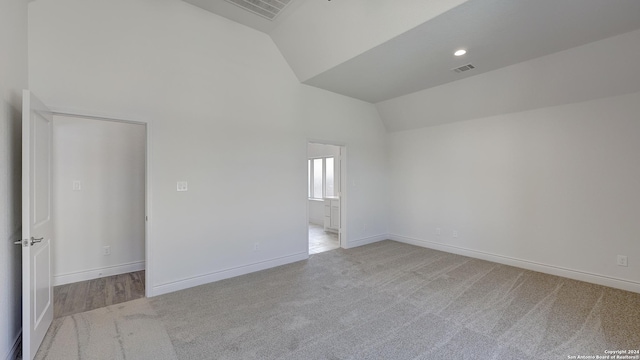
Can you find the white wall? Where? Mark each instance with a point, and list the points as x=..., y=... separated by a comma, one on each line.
x=13, y=78
x=108, y=158
x=553, y=189
x=324, y=34
x=315, y=150
x=225, y=113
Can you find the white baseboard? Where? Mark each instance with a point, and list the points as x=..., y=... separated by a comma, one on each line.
x=364, y=241
x=97, y=273
x=525, y=264
x=17, y=343
x=226, y=273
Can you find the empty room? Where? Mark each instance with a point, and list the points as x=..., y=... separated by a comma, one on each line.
x=472, y=165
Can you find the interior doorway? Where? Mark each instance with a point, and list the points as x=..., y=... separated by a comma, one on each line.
x=97, y=293
x=325, y=180
x=99, y=191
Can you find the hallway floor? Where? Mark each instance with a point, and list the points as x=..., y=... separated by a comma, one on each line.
x=321, y=241
x=96, y=293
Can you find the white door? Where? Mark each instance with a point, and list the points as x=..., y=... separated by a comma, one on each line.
x=37, y=224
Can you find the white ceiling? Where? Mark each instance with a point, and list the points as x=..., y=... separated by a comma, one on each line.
x=596, y=70
x=496, y=33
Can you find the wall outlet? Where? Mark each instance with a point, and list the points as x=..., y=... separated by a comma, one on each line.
x=622, y=260
x=455, y=233
x=438, y=231
x=106, y=250
x=256, y=246
x=76, y=185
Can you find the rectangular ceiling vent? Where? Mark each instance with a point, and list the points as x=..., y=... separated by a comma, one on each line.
x=268, y=9
x=464, y=68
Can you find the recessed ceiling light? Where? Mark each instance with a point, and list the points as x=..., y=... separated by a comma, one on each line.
x=460, y=52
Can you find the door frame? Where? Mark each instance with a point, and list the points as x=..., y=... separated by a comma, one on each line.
x=343, y=189
x=148, y=288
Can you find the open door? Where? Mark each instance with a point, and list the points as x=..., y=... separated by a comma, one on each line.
x=37, y=224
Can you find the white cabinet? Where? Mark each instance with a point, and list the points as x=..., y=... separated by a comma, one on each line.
x=332, y=214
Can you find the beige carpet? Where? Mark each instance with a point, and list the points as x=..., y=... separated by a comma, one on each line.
x=381, y=301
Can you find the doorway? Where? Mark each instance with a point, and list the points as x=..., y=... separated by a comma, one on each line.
x=325, y=181
x=99, y=200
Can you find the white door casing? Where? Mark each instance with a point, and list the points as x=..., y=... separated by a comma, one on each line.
x=37, y=224
x=340, y=201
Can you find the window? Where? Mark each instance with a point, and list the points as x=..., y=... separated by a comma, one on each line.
x=321, y=178
x=318, y=165
x=328, y=178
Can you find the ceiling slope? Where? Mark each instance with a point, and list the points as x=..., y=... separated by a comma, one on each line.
x=399, y=54
x=316, y=35
x=322, y=34
x=496, y=33
x=596, y=70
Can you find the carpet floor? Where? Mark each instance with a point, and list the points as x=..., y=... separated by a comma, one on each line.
x=386, y=300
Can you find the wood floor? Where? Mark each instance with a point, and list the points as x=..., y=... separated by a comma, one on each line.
x=93, y=294
x=321, y=241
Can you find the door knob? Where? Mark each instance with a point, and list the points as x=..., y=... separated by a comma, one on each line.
x=34, y=240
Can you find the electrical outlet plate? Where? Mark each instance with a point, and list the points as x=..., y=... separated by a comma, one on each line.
x=455, y=233
x=106, y=250
x=622, y=260
x=182, y=186
x=438, y=231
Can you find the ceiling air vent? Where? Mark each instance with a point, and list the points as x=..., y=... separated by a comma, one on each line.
x=464, y=68
x=268, y=9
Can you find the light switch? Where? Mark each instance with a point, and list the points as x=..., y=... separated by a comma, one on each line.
x=182, y=186
x=77, y=185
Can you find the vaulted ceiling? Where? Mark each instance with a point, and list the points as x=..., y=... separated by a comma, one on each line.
x=495, y=33
x=377, y=50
